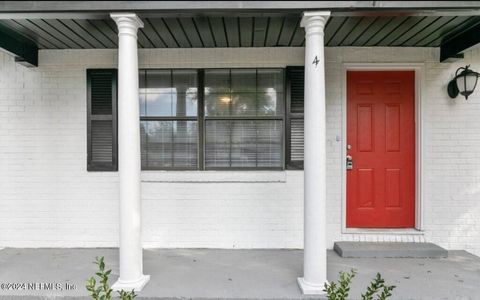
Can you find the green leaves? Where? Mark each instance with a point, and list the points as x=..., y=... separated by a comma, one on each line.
x=377, y=284
x=386, y=292
x=341, y=289
x=127, y=295
x=103, y=290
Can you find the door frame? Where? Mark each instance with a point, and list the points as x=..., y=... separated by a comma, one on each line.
x=420, y=96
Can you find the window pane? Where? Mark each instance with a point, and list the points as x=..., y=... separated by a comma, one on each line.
x=244, y=80
x=185, y=81
x=217, y=104
x=244, y=104
x=270, y=80
x=235, y=142
x=171, y=105
x=167, y=144
x=270, y=104
x=217, y=144
x=159, y=105
x=170, y=93
x=184, y=93
x=243, y=143
x=184, y=104
x=217, y=81
x=158, y=81
x=244, y=97
x=243, y=139
x=159, y=144
x=186, y=144
x=269, y=143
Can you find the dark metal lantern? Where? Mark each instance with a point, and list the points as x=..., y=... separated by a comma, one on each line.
x=463, y=83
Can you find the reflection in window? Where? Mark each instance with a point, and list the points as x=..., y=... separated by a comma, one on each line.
x=243, y=143
x=241, y=125
x=232, y=98
x=168, y=144
x=169, y=127
x=168, y=93
x=244, y=92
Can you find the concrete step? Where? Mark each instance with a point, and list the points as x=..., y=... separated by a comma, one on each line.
x=384, y=249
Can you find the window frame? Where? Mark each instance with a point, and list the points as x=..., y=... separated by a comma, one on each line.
x=250, y=118
x=201, y=119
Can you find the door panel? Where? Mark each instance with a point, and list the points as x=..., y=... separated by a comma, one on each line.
x=381, y=139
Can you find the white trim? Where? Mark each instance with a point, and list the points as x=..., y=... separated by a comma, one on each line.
x=194, y=176
x=420, y=97
x=384, y=231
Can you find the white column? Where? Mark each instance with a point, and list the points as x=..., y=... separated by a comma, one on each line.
x=315, y=252
x=131, y=265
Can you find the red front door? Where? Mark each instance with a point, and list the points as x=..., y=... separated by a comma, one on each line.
x=381, y=144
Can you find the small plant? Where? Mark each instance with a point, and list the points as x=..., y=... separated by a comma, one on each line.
x=377, y=284
x=127, y=295
x=341, y=289
x=103, y=290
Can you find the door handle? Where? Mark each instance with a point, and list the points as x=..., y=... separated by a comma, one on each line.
x=349, y=162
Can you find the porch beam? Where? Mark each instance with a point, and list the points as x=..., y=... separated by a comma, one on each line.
x=453, y=47
x=25, y=52
x=131, y=256
x=315, y=250
x=272, y=12
x=152, y=9
x=76, y=6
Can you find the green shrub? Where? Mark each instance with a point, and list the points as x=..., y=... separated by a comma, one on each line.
x=103, y=290
x=377, y=285
x=341, y=289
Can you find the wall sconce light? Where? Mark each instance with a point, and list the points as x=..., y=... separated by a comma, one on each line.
x=463, y=83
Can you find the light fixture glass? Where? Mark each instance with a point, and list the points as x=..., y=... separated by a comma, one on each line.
x=464, y=82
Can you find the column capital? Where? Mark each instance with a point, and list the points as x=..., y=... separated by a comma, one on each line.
x=314, y=21
x=127, y=23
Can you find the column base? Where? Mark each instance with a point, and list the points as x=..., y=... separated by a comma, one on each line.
x=310, y=289
x=137, y=285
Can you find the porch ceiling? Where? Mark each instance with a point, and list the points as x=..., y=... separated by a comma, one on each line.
x=243, y=31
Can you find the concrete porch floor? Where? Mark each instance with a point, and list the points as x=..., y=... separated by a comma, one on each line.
x=236, y=274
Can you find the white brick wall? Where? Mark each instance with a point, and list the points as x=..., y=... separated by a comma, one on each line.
x=47, y=199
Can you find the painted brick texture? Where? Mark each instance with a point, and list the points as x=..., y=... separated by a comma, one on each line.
x=48, y=199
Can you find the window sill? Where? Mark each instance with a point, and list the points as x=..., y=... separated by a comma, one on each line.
x=214, y=176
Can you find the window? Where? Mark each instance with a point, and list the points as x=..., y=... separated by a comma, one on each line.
x=169, y=119
x=212, y=119
x=243, y=118
x=195, y=119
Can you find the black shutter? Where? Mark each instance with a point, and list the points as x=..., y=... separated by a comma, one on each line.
x=102, y=120
x=294, y=117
